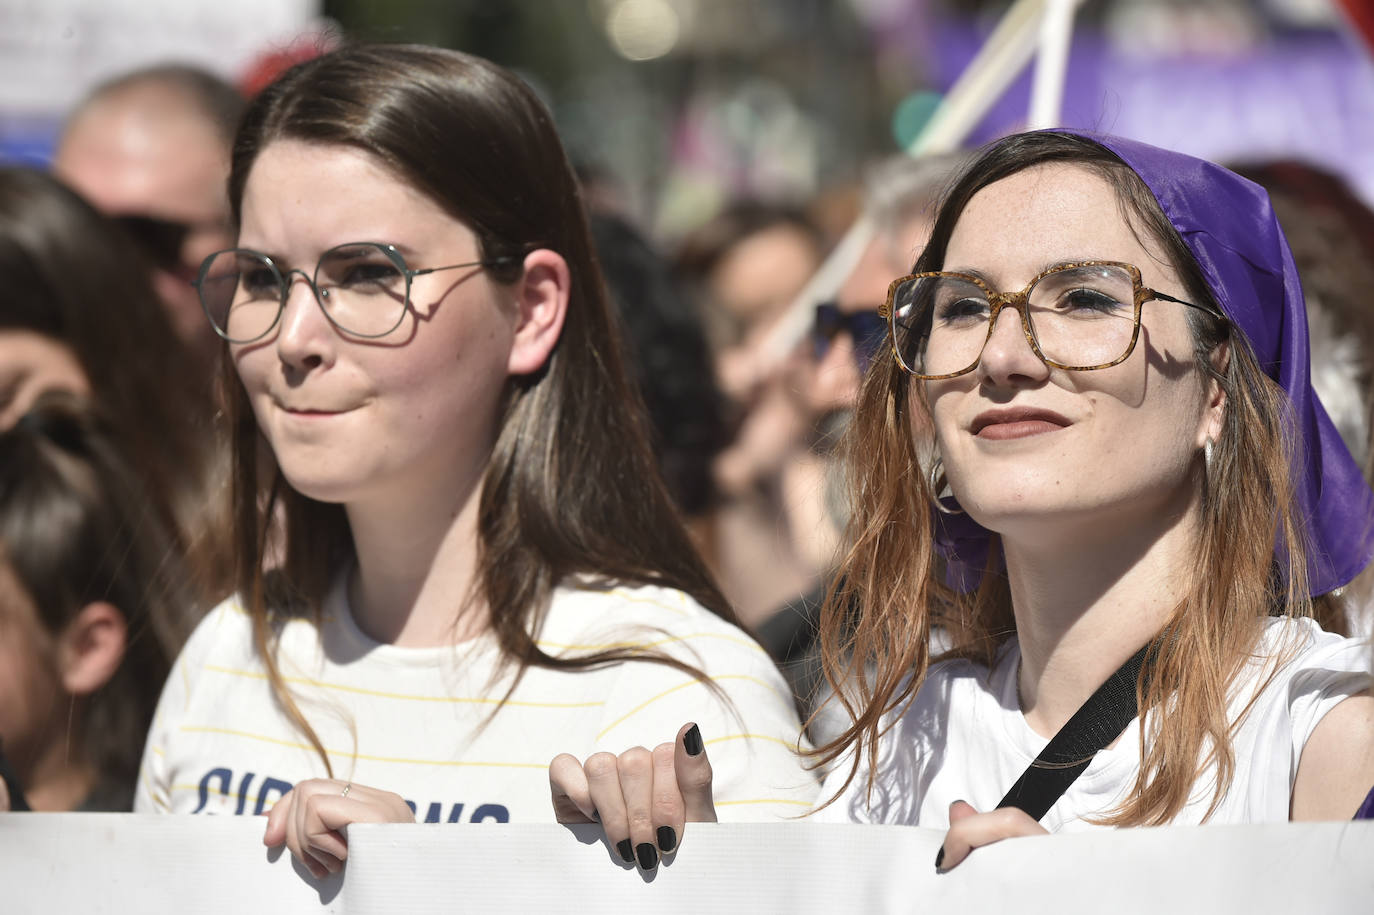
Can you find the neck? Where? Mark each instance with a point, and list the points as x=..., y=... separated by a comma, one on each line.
x=416, y=581
x=1084, y=604
x=58, y=777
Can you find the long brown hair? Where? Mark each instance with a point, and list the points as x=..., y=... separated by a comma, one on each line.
x=571, y=486
x=890, y=593
x=73, y=276
x=77, y=527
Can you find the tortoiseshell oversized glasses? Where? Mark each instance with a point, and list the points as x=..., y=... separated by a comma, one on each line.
x=1077, y=316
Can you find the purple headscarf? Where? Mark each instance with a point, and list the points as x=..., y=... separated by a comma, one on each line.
x=1231, y=229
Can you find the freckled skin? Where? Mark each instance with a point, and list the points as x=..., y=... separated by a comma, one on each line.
x=1135, y=428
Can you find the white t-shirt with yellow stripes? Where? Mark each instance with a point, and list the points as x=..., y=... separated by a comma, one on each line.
x=420, y=722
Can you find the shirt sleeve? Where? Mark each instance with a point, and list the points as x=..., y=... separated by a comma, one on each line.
x=153, y=792
x=1328, y=670
x=750, y=727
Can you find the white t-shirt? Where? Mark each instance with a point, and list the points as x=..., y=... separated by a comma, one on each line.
x=423, y=722
x=963, y=737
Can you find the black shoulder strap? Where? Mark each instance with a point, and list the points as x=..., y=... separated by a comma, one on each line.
x=1097, y=723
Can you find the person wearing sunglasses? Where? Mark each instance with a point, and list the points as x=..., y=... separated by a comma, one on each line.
x=1095, y=464
x=458, y=559
x=847, y=334
x=150, y=148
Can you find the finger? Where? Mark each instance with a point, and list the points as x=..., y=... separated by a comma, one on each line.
x=304, y=828
x=636, y=767
x=981, y=829
x=319, y=835
x=669, y=812
x=330, y=863
x=603, y=781
x=694, y=775
x=277, y=818
x=959, y=810
x=572, y=796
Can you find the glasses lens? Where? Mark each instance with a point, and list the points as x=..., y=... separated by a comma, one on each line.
x=241, y=292
x=1083, y=317
x=941, y=324
x=362, y=288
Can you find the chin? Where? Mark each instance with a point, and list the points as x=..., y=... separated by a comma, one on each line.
x=322, y=488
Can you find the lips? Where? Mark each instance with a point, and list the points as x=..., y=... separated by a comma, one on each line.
x=296, y=409
x=1016, y=422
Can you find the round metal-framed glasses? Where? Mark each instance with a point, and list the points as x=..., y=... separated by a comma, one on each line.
x=1078, y=316
x=363, y=288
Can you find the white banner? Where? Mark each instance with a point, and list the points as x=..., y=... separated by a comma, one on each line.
x=54, y=51
x=92, y=863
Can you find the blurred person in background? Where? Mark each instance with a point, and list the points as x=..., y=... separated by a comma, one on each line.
x=746, y=267
x=151, y=149
x=669, y=361
x=847, y=334
x=92, y=604
x=1331, y=232
x=79, y=315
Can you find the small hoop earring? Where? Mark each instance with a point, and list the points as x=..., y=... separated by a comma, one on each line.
x=938, y=484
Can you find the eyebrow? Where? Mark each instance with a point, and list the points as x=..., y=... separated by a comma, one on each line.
x=1044, y=268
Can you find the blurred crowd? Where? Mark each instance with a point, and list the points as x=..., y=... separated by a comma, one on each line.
x=114, y=479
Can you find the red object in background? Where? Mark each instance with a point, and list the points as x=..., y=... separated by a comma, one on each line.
x=1360, y=13
x=269, y=65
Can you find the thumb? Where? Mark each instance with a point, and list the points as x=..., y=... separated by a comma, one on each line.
x=694, y=775
x=960, y=810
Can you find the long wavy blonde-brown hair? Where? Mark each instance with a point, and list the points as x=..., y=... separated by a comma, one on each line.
x=889, y=594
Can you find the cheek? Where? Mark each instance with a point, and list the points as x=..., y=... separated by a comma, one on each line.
x=29, y=688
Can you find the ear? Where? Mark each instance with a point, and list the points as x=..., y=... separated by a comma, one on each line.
x=1213, y=420
x=91, y=647
x=542, y=298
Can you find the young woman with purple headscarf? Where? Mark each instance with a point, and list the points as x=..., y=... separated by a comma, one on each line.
x=1118, y=505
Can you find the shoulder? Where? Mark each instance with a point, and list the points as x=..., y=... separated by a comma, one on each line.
x=587, y=618
x=223, y=629
x=1304, y=660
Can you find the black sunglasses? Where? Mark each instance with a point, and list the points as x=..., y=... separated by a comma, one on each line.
x=161, y=240
x=867, y=328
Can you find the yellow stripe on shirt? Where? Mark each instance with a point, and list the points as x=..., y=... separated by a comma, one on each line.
x=414, y=697
x=648, y=702
x=348, y=754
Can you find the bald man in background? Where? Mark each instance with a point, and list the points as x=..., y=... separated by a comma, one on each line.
x=151, y=149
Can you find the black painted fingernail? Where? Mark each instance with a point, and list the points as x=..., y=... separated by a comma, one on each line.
x=626, y=851
x=939, y=857
x=691, y=742
x=648, y=858
x=596, y=816
x=667, y=839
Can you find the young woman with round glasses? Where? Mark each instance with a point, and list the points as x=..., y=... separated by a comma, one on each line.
x=473, y=562
x=1102, y=355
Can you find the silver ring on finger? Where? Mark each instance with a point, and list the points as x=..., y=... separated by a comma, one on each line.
x=347, y=788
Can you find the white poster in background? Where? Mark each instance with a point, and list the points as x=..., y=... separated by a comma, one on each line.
x=53, y=51
x=96, y=863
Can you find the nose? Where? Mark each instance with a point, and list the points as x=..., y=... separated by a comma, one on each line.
x=1007, y=353
x=305, y=338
